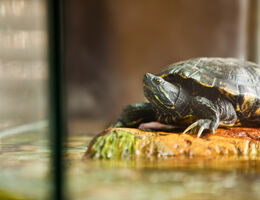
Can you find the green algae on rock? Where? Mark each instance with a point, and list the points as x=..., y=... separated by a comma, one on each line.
x=125, y=143
x=117, y=143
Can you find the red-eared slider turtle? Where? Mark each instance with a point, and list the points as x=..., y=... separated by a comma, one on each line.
x=200, y=93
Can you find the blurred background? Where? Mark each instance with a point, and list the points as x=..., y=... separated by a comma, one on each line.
x=23, y=62
x=109, y=45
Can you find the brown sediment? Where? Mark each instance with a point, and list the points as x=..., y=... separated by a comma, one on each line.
x=231, y=141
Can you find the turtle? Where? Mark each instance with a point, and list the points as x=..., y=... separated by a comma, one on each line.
x=199, y=95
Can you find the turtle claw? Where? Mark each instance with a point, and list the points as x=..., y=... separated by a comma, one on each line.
x=200, y=131
x=199, y=126
x=190, y=127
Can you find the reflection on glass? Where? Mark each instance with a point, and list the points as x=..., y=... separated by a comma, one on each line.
x=24, y=152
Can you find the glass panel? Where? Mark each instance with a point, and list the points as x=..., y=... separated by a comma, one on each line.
x=24, y=151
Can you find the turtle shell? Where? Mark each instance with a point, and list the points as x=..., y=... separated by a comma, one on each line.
x=232, y=76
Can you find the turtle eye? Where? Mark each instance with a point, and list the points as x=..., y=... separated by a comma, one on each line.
x=157, y=81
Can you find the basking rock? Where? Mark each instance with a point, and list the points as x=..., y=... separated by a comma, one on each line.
x=129, y=142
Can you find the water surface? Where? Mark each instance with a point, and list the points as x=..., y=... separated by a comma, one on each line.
x=24, y=172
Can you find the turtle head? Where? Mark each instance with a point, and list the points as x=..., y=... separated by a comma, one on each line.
x=161, y=93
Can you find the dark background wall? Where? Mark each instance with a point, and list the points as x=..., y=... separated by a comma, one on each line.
x=109, y=45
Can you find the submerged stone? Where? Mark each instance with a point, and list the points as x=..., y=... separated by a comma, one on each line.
x=135, y=143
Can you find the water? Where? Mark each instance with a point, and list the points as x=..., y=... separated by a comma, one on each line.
x=24, y=172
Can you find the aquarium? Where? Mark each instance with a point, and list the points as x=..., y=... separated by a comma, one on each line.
x=67, y=68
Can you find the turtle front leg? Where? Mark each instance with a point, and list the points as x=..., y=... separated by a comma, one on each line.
x=135, y=114
x=211, y=114
x=206, y=113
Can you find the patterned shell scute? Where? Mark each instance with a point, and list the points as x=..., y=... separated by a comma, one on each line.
x=234, y=76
